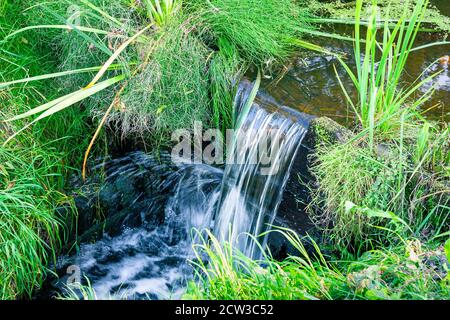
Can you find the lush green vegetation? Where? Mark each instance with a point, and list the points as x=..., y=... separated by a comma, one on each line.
x=155, y=79
x=381, y=197
x=146, y=68
x=34, y=167
x=397, y=162
x=410, y=270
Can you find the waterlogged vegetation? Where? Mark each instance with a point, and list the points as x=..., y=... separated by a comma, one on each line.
x=76, y=76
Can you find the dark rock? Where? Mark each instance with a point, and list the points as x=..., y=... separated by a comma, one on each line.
x=132, y=191
x=293, y=212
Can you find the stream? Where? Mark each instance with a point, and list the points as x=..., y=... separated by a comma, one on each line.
x=156, y=202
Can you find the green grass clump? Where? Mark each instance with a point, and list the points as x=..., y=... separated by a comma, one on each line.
x=35, y=166
x=389, y=180
x=29, y=231
x=261, y=30
x=408, y=270
x=224, y=70
x=161, y=11
x=383, y=103
x=411, y=269
x=172, y=91
x=396, y=163
x=167, y=62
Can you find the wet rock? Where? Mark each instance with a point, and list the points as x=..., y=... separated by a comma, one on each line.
x=124, y=193
x=293, y=212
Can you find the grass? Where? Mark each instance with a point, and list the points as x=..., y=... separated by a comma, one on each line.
x=396, y=162
x=172, y=91
x=382, y=102
x=396, y=183
x=85, y=55
x=63, y=62
x=154, y=66
x=381, y=198
x=220, y=39
x=409, y=270
x=225, y=66
x=29, y=229
x=35, y=166
x=162, y=11
x=32, y=171
x=260, y=32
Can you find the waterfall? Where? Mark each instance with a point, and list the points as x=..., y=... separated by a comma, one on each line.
x=252, y=187
x=156, y=203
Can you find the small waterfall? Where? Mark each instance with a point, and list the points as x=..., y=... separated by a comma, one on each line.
x=254, y=179
x=155, y=203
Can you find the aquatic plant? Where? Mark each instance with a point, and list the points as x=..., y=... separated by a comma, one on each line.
x=385, y=167
x=171, y=91
x=382, y=103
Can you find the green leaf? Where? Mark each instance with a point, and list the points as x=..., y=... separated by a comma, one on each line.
x=115, y=55
x=62, y=26
x=56, y=75
x=66, y=101
x=447, y=249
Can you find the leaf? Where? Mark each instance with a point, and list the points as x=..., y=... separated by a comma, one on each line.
x=55, y=75
x=447, y=249
x=68, y=100
x=350, y=207
x=60, y=26
x=115, y=55
x=248, y=104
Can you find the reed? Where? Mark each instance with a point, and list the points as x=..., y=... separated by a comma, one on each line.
x=387, y=166
x=382, y=102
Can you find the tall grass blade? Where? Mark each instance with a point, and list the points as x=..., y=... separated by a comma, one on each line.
x=68, y=101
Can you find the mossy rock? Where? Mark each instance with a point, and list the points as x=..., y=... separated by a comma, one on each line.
x=324, y=130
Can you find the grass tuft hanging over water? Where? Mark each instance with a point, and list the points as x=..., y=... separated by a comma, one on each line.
x=260, y=30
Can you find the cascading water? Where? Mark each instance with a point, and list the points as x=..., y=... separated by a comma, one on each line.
x=252, y=187
x=150, y=259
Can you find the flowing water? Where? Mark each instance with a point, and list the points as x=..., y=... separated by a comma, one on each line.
x=252, y=190
x=151, y=260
